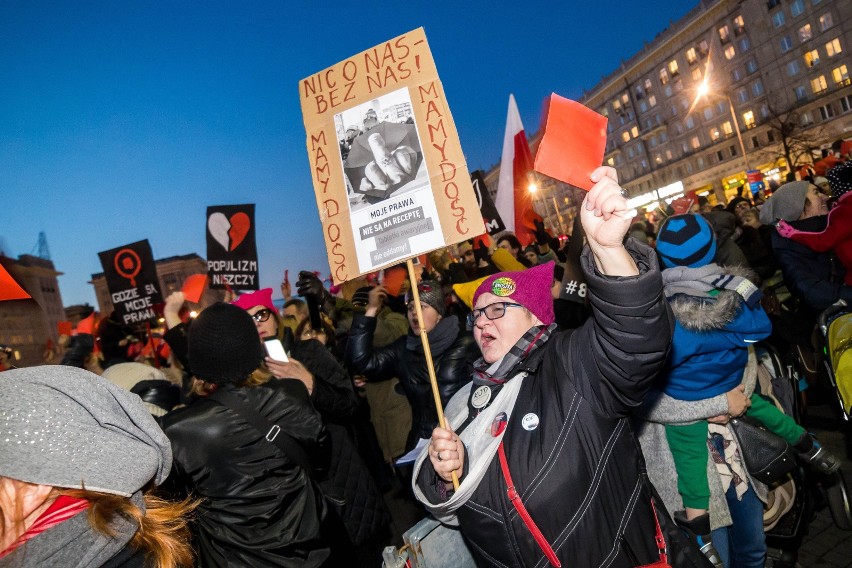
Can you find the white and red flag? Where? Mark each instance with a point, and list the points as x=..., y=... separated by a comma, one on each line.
x=514, y=201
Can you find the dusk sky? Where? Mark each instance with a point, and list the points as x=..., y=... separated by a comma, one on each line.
x=122, y=121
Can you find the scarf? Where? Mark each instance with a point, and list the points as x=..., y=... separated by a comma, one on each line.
x=440, y=338
x=473, y=422
x=705, y=282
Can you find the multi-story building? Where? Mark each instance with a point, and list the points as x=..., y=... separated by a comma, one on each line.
x=171, y=273
x=776, y=74
x=30, y=326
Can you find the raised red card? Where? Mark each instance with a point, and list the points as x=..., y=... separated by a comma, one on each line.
x=573, y=144
x=193, y=287
x=9, y=289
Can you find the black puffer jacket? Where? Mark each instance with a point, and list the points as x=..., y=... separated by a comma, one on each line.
x=453, y=368
x=259, y=507
x=349, y=485
x=571, y=452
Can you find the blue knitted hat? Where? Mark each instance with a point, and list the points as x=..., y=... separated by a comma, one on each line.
x=686, y=240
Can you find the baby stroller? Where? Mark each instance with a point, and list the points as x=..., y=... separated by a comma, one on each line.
x=835, y=326
x=807, y=490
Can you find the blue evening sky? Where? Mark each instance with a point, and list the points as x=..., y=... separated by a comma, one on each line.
x=124, y=120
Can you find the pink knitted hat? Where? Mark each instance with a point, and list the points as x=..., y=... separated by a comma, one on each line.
x=529, y=288
x=260, y=298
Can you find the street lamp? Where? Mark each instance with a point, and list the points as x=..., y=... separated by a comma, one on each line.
x=704, y=89
x=533, y=188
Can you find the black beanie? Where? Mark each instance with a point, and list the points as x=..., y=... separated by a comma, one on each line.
x=223, y=345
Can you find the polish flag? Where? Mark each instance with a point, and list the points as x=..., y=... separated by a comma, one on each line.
x=514, y=201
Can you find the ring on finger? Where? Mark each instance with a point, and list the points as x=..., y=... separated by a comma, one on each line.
x=438, y=455
x=623, y=192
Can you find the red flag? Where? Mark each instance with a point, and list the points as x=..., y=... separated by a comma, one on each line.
x=9, y=289
x=514, y=202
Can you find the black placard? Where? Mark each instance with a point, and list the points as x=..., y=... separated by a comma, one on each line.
x=131, y=278
x=493, y=222
x=231, y=247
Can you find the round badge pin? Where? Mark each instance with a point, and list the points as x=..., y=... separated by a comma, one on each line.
x=480, y=397
x=530, y=421
x=503, y=286
x=499, y=424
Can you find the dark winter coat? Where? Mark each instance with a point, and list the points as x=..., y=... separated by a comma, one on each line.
x=348, y=485
x=815, y=277
x=453, y=368
x=259, y=507
x=578, y=468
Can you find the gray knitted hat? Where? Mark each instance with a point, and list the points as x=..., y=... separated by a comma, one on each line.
x=786, y=203
x=66, y=427
x=430, y=294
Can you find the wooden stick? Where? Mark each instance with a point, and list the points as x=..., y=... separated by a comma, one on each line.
x=415, y=294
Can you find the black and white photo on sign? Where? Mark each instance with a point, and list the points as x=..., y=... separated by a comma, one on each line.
x=391, y=204
x=380, y=150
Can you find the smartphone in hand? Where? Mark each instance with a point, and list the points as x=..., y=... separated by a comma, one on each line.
x=275, y=350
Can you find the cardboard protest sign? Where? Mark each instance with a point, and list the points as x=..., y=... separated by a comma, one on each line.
x=131, y=278
x=231, y=247
x=493, y=223
x=388, y=170
x=573, y=144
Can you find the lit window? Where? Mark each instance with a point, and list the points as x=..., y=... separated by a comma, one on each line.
x=691, y=55
x=742, y=95
x=664, y=77
x=832, y=48
x=744, y=44
x=778, y=18
x=812, y=58
x=825, y=21
x=658, y=158
x=793, y=68
x=708, y=113
x=801, y=93
x=751, y=66
x=715, y=134
x=727, y=128
x=616, y=104
x=648, y=84
x=739, y=25
x=797, y=8
x=634, y=131
x=703, y=47
x=695, y=143
x=840, y=75
x=673, y=67
x=748, y=119
x=668, y=154
x=696, y=74
x=819, y=84
x=805, y=33
x=757, y=88
x=786, y=44
x=624, y=98
x=625, y=136
x=724, y=34
x=730, y=52
x=652, y=100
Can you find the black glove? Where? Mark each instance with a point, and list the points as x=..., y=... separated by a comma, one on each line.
x=542, y=237
x=309, y=285
x=480, y=252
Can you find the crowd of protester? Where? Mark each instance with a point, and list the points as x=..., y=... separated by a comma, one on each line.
x=200, y=448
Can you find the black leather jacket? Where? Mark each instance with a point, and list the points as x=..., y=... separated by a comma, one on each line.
x=260, y=508
x=453, y=368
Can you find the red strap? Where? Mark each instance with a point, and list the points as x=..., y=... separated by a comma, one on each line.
x=661, y=542
x=522, y=511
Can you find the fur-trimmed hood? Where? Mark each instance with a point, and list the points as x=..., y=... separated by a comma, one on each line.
x=702, y=313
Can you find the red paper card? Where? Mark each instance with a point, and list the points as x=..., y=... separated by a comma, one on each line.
x=573, y=143
x=87, y=324
x=64, y=327
x=9, y=289
x=393, y=279
x=682, y=205
x=193, y=287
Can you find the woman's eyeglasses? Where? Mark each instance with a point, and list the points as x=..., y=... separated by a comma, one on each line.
x=492, y=311
x=261, y=315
